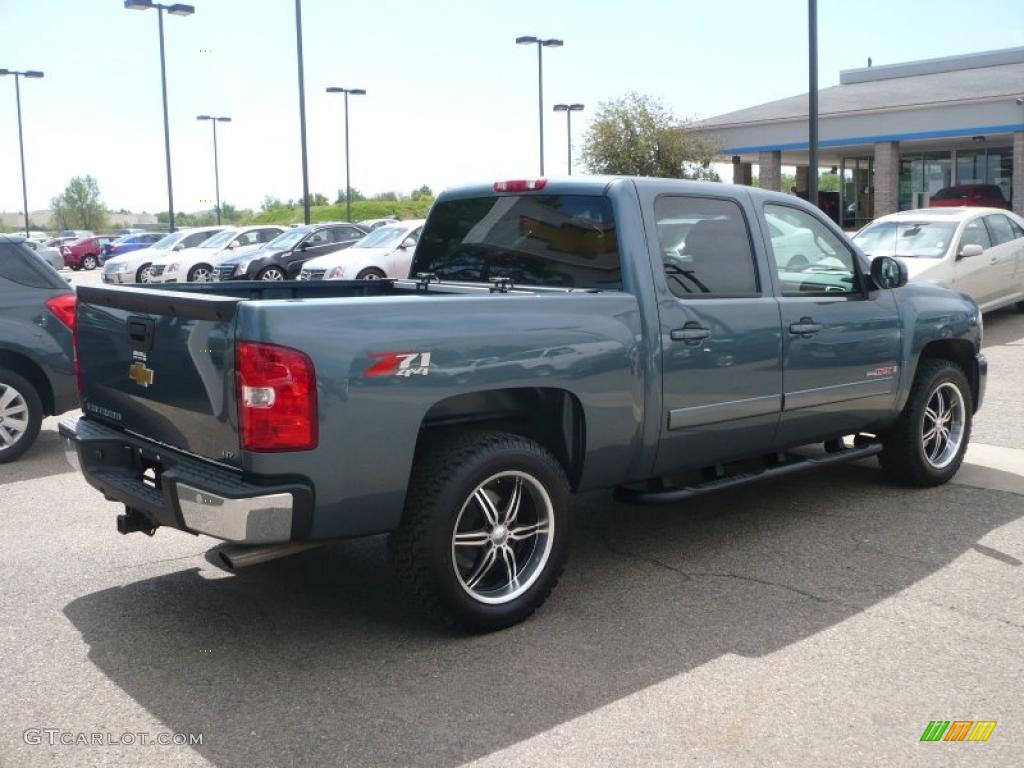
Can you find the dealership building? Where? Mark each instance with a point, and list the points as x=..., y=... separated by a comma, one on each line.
x=896, y=134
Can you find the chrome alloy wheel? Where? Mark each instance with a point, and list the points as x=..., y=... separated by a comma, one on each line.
x=272, y=273
x=942, y=430
x=13, y=415
x=201, y=275
x=503, y=537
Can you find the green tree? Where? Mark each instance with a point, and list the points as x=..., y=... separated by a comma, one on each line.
x=421, y=193
x=79, y=205
x=228, y=212
x=356, y=195
x=391, y=197
x=271, y=203
x=317, y=198
x=637, y=135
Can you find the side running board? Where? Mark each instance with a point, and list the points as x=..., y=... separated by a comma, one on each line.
x=631, y=495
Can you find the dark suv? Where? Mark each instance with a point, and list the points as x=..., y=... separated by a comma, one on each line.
x=282, y=258
x=37, y=371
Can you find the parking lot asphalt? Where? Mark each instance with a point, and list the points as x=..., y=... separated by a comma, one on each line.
x=823, y=619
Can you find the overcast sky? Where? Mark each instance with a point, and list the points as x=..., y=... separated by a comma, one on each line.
x=451, y=97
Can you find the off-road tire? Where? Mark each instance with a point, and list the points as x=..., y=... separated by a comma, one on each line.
x=35, y=415
x=445, y=472
x=903, y=456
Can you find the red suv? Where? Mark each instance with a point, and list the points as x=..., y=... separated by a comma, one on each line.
x=975, y=195
x=85, y=253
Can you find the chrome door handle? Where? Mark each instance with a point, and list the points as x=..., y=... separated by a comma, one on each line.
x=691, y=333
x=806, y=327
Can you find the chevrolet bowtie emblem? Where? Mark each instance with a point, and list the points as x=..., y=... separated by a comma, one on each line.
x=140, y=374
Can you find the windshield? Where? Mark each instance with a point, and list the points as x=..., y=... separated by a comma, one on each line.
x=382, y=238
x=566, y=241
x=907, y=239
x=288, y=239
x=217, y=241
x=167, y=242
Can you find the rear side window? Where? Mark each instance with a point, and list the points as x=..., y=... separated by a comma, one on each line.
x=564, y=241
x=20, y=265
x=705, y=247
x=1000, y=228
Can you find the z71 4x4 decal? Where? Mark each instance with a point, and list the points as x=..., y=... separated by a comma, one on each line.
x=398, y=364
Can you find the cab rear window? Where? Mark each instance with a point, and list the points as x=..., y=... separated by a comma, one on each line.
x=564, y=241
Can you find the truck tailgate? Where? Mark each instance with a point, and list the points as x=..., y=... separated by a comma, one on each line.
x=160, y=364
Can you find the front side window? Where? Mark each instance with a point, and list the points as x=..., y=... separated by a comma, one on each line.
x=810, y=259
x=705, y=247
x=319, y=238
x=1000, y=228
x=563, y=241
x=975, y=233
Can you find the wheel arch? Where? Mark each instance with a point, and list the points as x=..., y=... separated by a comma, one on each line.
x=551, y=416
x=959, y=351
x=25, y=366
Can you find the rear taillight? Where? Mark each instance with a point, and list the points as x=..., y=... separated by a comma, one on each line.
x=520, y=185
x=276, y=392
x=63, y=308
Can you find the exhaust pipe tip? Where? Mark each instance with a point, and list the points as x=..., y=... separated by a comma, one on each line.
x=232, y=557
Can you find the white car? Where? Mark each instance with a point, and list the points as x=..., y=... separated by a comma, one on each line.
x=385, y=252
x=371, y=224
x=197, y=265
x=134, y=266
x=978, y=251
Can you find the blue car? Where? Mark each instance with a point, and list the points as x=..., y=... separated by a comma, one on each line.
x=128, y=243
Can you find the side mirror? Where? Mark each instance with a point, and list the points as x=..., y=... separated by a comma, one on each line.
x=888, y=272
x=969, y=250
x=408, y=243
x=303, y=246
x=179, y=246
x=233, y=244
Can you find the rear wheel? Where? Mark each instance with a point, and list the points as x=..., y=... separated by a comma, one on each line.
x=142, y=276
x=371, y=273
x=485, y=532
x=271, y=273
x=200, y=273
x=21, y=413
x=89, y=262
x=927, y=444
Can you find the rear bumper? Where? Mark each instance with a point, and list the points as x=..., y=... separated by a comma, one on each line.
x=183, y=492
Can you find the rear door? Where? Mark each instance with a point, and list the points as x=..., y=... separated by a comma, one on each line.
x=720, y=331
x=841, y=342
x=1002, y=261
x=160, y=364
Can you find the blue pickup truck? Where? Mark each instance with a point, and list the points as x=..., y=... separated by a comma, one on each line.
x=660, y=338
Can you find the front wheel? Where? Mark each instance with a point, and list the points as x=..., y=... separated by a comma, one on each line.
x=200, y=273
x=371, y=273
x=142, y=276
x=927, y=444
x=89, y=262
x=21, y=413
x=485, y=532
x=271, y=273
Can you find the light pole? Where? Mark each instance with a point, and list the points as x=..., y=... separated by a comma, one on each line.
x=568, y=109
x=348, y=181
x=216, y=168
x=541, y=45
x=177, y=9
x=32, y=74
x=812, y=101
x=302, y=112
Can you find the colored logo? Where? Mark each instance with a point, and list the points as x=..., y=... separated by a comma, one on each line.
x=140, y=374
x=958, y=730
x=398, y=364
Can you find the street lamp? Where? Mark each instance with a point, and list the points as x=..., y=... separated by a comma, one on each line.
x=348, y=183
x=31, y=74
x=216, y=170
x=541, y=45
x=177, y=9
x=302, y=112
x=812, y=101
x=568, y=109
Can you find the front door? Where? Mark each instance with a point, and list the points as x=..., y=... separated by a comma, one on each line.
x=973, y=274
x=841, y=343
x=1003, y=257
x=720, y=335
